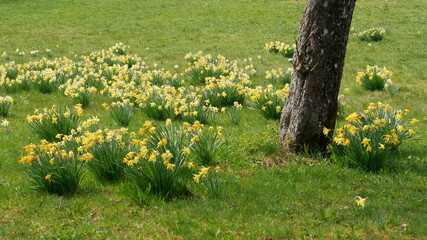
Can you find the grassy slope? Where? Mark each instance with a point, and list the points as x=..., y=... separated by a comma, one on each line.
x=294, y=200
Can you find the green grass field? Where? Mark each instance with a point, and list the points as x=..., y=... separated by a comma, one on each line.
x=267, y=193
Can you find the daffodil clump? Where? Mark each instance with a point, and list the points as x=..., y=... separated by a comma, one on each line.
x=9, y=77
x=47, y=123
x=370, y=137
x=5, y=103
x=373, y=34
x=223, y=92
x=282, y=48
x=198, y=110
x=45, y=80
x=202, y=67
x=278, y=76
x=209, y=178
x=207, y=144
x=163, y=77
x=269, y=102
x=374, y=78
x=119, y=48
x=206, y=66
x=161, y=163
x=79, y=91
x=161, y=103
x=53, y=168
x=44, y=75
x=104, y=151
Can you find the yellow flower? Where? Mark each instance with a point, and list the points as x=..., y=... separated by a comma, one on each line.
x=380, y=122
x=354, y=117
x=353, y=130
x=365, y=141
x=170, y=166
x=191, y=165
x=381, y=146
x=217, y=168
x=167, y=155
x=204, y=170
x=400, y=128
x=326, y=131
x=414, y=121
x=163, y=142
x=47, y=177
x=5, y=123
x=147, y=124
x=369, y=148
x=360, y=201
x=52, y=160
x=196, y=178
x=152, y=157
x=186, y=151
x=410, y=131
x=346, y=142
x=195, y=138
x=86, y=157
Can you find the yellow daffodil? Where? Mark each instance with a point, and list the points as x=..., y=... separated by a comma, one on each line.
x=360, y=201
x=414, y=121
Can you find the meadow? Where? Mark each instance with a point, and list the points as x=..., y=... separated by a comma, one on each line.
x=264, y=192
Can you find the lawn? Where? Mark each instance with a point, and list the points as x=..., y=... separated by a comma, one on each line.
x=266, y=192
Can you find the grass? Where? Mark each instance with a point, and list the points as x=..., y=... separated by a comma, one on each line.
x=295, y=198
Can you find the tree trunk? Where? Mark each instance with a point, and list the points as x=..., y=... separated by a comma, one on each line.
x=318, y=65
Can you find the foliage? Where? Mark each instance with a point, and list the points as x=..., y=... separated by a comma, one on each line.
x=121, y=112
x=210, y=180
x=234, y=113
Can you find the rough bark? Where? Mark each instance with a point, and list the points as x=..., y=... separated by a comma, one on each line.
x=318, y=65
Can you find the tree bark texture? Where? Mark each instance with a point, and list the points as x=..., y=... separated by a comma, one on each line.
x=318, y=65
